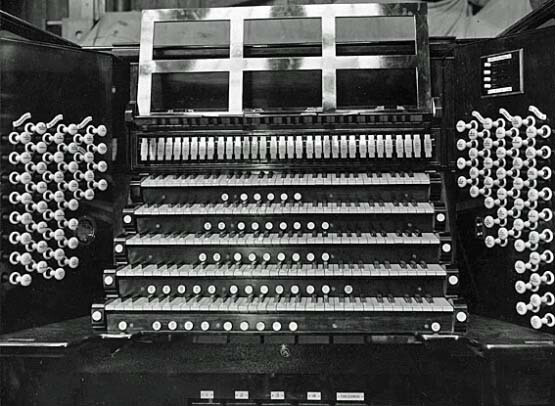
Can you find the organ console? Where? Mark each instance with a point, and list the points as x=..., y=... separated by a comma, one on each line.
x=327, y=223
x=314, y=194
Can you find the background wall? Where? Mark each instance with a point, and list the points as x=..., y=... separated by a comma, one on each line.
x=75, y=19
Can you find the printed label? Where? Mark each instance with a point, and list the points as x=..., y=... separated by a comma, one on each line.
x=313, y=395
x=207, y=394
x=277, y=395
x=501, y=90
x=500, y=58
x=350, y=396
x=241, y=394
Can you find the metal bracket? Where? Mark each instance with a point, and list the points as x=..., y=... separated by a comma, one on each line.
x=328, y=63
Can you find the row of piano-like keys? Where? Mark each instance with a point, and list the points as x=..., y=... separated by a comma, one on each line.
x=271, y=270
x=282, y=147
x=281, y=239
x=270, y=180
x=280, y=303
x=335, y=208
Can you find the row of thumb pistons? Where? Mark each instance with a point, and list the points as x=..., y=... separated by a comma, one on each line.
x=55, y=167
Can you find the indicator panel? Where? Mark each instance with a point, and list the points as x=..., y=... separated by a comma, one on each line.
x=502, y=74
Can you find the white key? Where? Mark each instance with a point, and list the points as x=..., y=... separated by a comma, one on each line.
x=380, y=147
x=299, y=147
x=144, y=149
x=169, y=148
x=152, y=149
x=202, y=148
x=318, y=147
x=246, y=147
x=263, y=147
x=427, y=145
x=309, y=146
x=290, y=147
x=221, y=148
x=194, y=148
x=327, y=146
x=185, y=149
x=371, y=146
x=408, y=146
x=177, y=148
x=335, y=148
x=282, y=147
x=210, y=148
x=161, y=149
x=273, y=147
x=399, y=146
x=111, y=306
x=352, y=147
x=238, y=147
x=362, y=146
x=339, y=143
x=417, y=145
x=388, y=146
x=229, y=148
x=254, y=147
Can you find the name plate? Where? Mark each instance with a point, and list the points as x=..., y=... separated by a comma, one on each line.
x=277, y=395
x=313, y=395
x=350, y=396
x=207, y=394
x=241, y=394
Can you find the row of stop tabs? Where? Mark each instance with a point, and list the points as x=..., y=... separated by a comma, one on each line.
x=283, y=147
